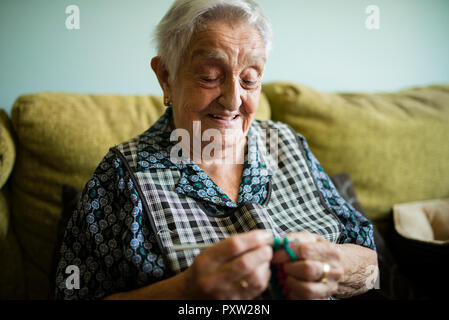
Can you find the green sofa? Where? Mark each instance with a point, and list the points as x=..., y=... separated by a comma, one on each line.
x=395, y=147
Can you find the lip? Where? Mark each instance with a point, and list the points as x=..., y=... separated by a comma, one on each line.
x=227, y=121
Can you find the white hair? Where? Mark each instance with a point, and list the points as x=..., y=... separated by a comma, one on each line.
x=175, y=30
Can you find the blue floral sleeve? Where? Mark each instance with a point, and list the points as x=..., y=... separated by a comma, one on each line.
x=355, y=227
x=107, y=238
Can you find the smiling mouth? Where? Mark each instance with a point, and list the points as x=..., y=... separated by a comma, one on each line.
x=225, y=118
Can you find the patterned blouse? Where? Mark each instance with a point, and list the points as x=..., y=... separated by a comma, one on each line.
x=109, y=236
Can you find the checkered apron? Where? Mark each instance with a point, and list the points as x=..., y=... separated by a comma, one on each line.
x=293, y=202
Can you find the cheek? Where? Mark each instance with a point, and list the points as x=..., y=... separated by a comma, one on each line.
x=252, y=103
x=196, y=101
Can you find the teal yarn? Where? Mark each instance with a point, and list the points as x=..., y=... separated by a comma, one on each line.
x=277, y=276
x=289, y=250
x=277, y=244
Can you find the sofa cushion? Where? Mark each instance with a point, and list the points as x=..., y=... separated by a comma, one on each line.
x=61, y=139
x=12, y=282
x=7, y=148
x=7, y=158
x=394, y=145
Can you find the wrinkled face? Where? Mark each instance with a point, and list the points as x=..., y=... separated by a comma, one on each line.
x=219, y=82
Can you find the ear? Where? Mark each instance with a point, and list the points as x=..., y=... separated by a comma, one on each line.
x=162, y=75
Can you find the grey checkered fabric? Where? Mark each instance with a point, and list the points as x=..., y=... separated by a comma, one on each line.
x=294, y=202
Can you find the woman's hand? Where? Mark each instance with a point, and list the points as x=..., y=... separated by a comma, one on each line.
x=308, y=278
x=234, y=268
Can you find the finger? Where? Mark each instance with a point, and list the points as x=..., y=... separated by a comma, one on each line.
x=224, y=283
x=213, y=269
x=257, y=282
x=311, y=270
x=297, y=289
x=322, y=250
x=304, y=236
x=229, y=248
x=245, y=264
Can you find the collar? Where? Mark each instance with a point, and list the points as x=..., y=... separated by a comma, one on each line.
x=153, y=152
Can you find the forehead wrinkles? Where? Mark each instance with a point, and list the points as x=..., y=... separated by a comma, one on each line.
x=223, y=58
x=229, y=45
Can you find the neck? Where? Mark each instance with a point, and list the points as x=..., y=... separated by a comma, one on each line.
x=223, y=154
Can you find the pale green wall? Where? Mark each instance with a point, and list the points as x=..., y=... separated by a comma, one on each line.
x=321, y=43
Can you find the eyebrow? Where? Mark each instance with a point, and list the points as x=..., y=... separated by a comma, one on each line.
x=218, y=56
x=213, y=55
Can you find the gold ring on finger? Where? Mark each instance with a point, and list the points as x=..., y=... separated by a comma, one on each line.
x=243, y=283
x=326, y=269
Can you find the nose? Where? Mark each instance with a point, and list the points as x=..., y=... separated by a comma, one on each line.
x=230, y=97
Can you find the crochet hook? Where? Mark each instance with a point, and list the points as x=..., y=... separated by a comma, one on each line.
x=193, y=246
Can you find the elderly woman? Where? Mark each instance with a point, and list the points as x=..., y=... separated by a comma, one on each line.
x=153, y=193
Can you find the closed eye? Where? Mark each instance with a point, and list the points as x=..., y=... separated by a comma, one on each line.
x=249, y=83
x=209, y=80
